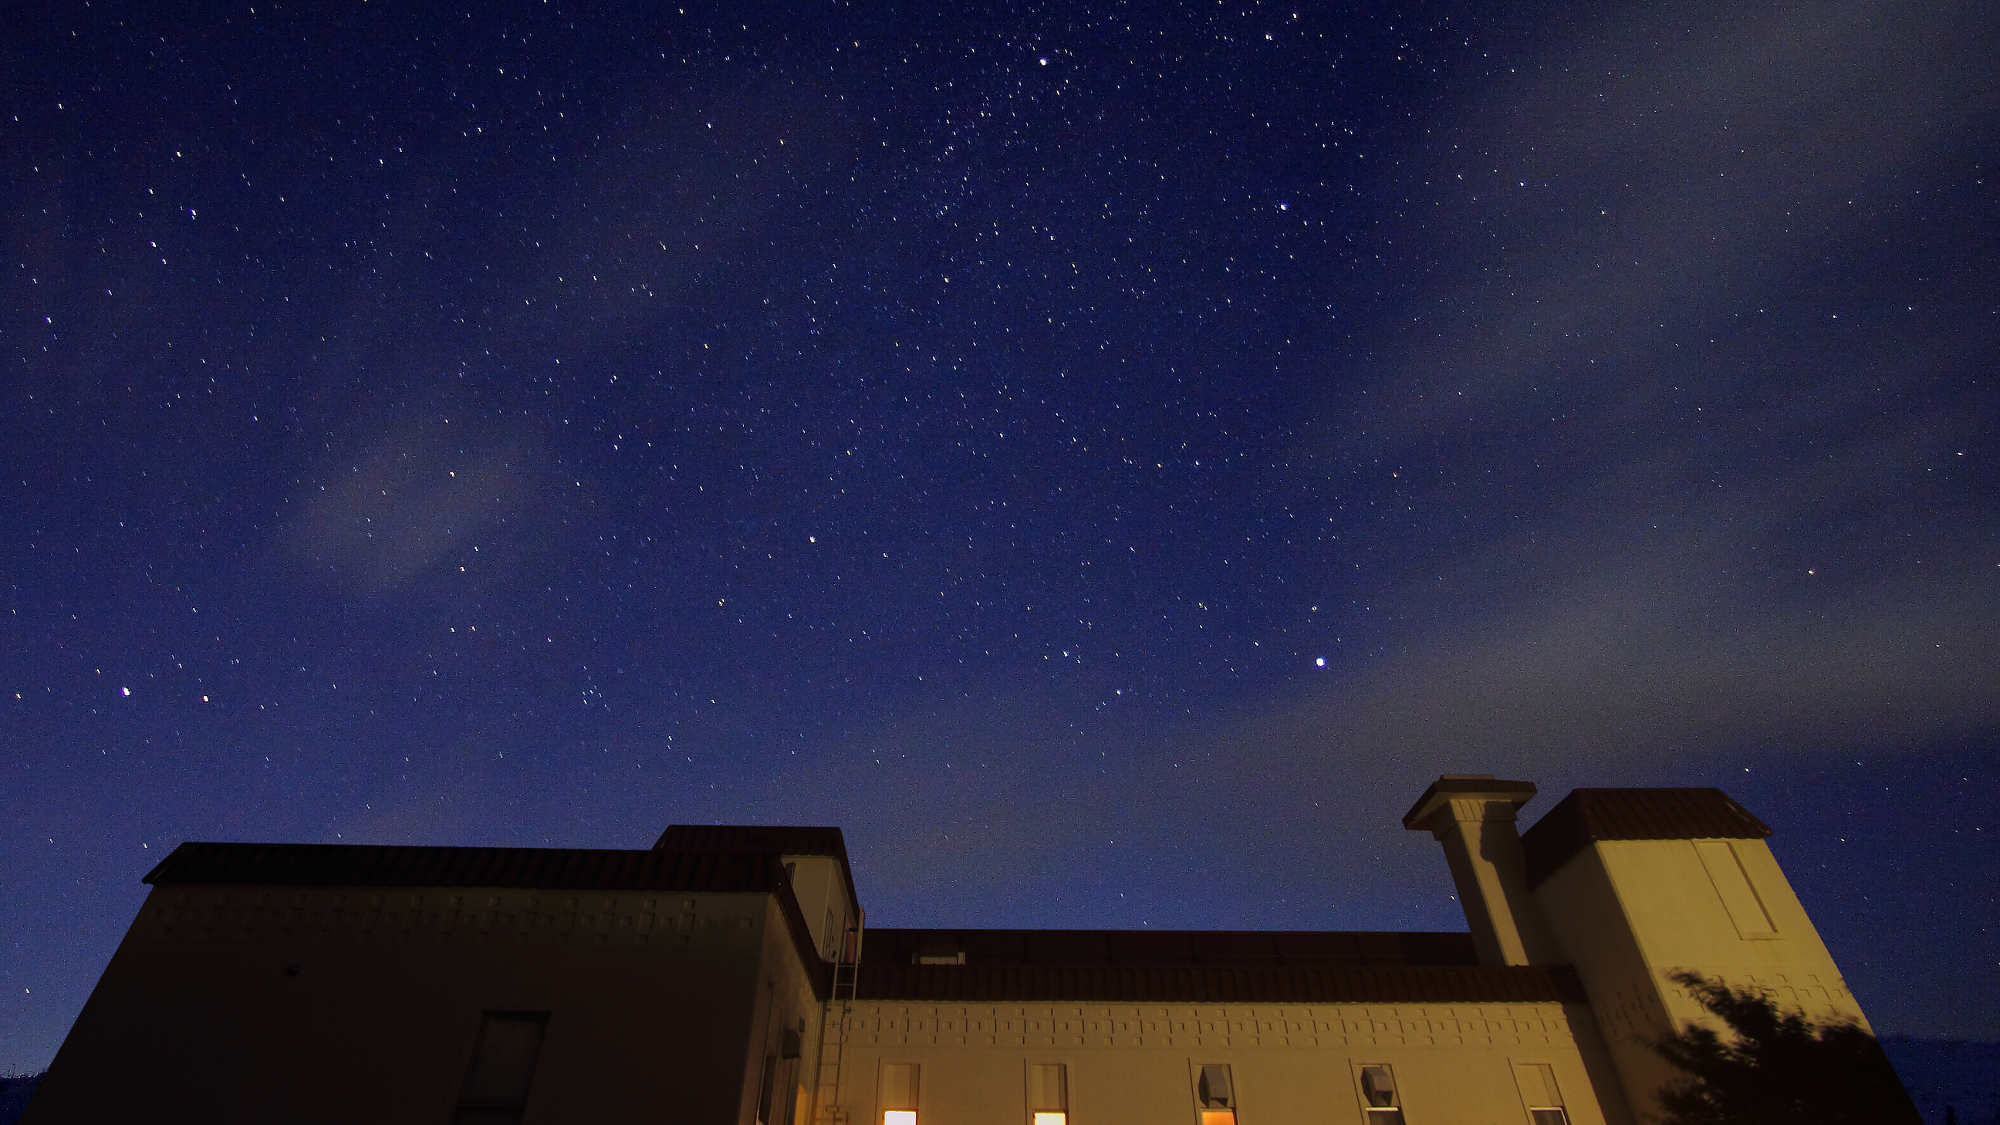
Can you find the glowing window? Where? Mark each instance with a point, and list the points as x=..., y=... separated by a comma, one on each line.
x=899, y=1117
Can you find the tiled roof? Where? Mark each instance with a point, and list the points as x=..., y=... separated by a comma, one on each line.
x=1189, y=985
x=1587, y=815
x=1175, y=948
x=364, y=865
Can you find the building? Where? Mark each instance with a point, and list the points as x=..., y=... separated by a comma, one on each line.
x=725, y=977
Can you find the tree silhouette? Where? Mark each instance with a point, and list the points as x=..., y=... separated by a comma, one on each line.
x=1781, y=1069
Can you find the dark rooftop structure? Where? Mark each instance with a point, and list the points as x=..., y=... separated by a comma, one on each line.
x=367, y=865
x=1471, y=984
x=1154, y=948
x=1588, y=815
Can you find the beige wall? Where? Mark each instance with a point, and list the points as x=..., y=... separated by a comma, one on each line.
x=657, y=1002
x=1627, y=913
x=821, y=888
x=787, y=1000
x=1292, y=1064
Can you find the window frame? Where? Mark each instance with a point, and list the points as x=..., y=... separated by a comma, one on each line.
x=1552, y=1099
x=1225, y=1111
x=1371, y=1114
x=1035, y=1108
x=882, y=1107
x=465, y=1101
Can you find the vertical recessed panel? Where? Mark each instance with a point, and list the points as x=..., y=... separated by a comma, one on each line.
x=502, y=1068
x=1732, y=883
x=899, y=1093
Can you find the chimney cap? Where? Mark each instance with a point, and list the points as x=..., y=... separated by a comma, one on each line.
x=1451, y=785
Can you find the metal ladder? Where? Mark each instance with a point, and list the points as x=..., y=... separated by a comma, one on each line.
x=833, y=1038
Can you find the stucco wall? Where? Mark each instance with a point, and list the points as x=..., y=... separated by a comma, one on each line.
x=821, y=889
x=356, y=1004
x=1627, y=913
x=1292, y=1065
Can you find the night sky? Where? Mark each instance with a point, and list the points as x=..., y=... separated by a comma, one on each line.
x=1106, y=458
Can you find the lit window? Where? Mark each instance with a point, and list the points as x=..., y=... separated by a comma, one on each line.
x=1048, y=1094
x=503, y=1067
x=1216, y=1095
x=899, y=1094
x=1378, y=1091
x=1539, y=1092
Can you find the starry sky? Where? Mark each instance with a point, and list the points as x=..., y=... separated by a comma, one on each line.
x=1107, y=458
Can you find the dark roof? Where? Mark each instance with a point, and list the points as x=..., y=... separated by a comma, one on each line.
x=777, y=839
x=1169, y=948
x=365, y=865
x=596, y=869
x=782, y=839
x=1189, y=985
x=1469, y=783
x=1587, y=815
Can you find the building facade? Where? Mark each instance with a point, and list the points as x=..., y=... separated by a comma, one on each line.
x=726, y=977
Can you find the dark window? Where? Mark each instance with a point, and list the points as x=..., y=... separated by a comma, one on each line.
x=1385, y=1105
x=1538, y=1089
x=503, y=1067
x=765, y=1089
x=1216, y=1095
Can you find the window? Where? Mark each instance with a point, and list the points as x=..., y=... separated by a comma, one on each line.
x=1048, y=1094
x=940, y=953
x=503, y=1067
x=791, y=1046
x=1379, y=1096
x=899, y=1094
x=766, y=1086
x=1215, y=1095
x=1539, y=1093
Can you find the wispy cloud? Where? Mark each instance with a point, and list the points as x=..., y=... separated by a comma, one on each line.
x=1736, y=520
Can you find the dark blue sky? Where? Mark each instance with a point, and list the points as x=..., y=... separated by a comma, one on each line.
x=1107, y=459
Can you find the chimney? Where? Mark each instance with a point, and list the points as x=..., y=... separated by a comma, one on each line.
x=1472, y=815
